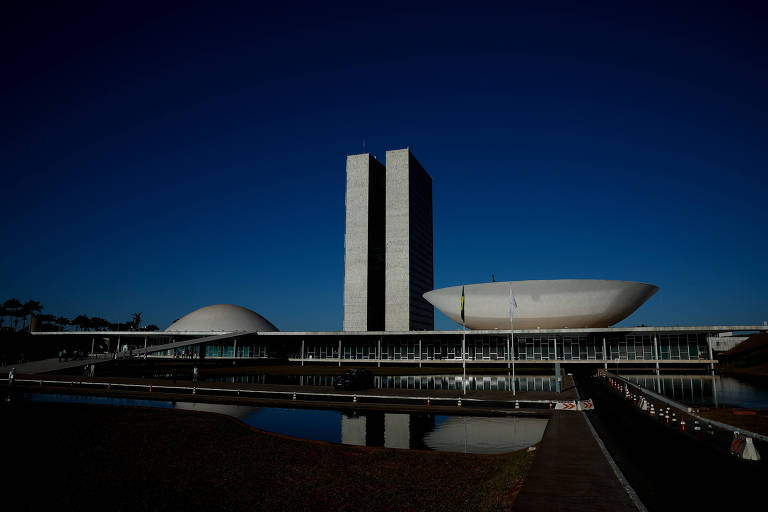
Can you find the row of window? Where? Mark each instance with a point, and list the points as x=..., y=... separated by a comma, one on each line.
x=577, y=348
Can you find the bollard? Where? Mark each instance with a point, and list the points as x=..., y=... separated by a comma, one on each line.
x=194, y=390
x=682, y=424
x=674, y=418
x=653, y=411
x=749, y=452
x=517, y=404
x=150, y=388
x=458, y=404
x=354, y=398
x=427, y=401
x=666, y=416
x=294, y=396
x=697, y=428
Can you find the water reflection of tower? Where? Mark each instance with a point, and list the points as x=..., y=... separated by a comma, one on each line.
x=385, y=429
x=363, y=430
x=420, y=426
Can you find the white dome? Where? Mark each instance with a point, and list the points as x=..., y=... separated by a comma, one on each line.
x=222, y=318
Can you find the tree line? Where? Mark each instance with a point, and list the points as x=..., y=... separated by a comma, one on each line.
x=14, y=311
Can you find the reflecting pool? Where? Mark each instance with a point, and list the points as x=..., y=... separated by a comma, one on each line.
x=465, y=434
x=705, y=390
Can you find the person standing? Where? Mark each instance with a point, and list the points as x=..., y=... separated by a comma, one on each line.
x=59, y=355
x=11, y=376
x=93, y=370
x=195, y=374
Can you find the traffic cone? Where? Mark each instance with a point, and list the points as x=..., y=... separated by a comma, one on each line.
x=427, y=401
x=666, y=416
x=682, y=424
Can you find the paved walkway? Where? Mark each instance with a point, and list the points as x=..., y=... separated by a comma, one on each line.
x=50, y=365
x=570, y=471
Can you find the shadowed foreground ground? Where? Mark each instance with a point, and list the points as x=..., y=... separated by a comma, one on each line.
x=67, y=456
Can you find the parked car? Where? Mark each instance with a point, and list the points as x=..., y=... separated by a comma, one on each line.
x=354, y=379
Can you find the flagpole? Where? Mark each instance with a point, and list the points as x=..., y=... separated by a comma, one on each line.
x=463, y=345
x=464, y=357
x=513, y=359
x=512, y=304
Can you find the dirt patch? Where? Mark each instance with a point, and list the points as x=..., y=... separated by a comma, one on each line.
x=68, y=456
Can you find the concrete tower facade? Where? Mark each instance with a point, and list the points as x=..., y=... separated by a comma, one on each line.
x=388, y=244
x=364, y=244
x=409, y=250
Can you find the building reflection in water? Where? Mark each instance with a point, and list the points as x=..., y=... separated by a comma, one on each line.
x=705, y=390
x=467, y=434
x=427, y=382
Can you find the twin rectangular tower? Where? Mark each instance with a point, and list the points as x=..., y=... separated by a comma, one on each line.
x=388, y=244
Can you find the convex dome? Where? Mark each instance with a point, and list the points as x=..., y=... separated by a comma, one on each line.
x=222, y=318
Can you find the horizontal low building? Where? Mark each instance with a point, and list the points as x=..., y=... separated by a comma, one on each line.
x=233, y=332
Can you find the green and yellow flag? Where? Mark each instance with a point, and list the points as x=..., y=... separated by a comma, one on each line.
x=462, y=304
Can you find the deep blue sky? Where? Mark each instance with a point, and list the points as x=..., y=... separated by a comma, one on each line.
x=161, y=159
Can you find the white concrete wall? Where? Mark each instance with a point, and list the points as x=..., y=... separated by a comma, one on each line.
x=397, y=277
x=356, y=243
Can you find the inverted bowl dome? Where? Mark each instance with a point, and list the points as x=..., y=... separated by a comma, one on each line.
x=222, y=318
x=549, y=304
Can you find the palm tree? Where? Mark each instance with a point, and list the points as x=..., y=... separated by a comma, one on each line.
x=61, y=322
x=99, y=324
x=13, y=308
x=46, y=320
x=135, y=320
x=29, y=307
x=81, y=321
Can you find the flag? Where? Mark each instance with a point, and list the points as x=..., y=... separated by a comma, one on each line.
x=462, y=304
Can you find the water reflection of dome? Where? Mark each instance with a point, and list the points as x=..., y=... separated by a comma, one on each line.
x=485, y=435
x=222, y=318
